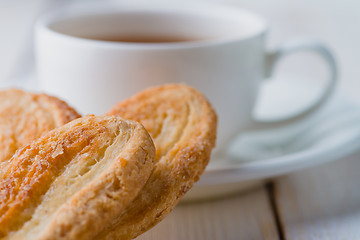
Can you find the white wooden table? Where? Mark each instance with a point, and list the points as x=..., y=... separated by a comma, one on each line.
x=318, y=203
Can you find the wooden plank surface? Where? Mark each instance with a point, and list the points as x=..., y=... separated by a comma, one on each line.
x=321, y=203
x=243, y=216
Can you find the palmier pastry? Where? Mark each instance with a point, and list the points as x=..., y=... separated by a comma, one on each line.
x=183, y=126
x=75, y=180
x=26, y=116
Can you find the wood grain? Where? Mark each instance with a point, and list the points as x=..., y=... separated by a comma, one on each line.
x=243, y=216
x=321, y=203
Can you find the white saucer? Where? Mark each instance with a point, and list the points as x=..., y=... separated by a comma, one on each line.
x=331, y=134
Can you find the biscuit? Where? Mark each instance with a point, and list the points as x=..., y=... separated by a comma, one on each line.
x=26, y=116
x=75, y=180
x=183, y=126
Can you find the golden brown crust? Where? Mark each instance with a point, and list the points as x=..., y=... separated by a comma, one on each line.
x=26, y=116
x=183, y=126
x=72, y=182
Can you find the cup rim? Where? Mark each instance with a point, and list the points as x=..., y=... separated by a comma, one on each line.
x=43, y=23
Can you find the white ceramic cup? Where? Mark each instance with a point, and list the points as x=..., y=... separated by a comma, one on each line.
x=225, y=58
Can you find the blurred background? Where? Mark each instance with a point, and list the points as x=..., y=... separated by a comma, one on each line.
x=331, y=21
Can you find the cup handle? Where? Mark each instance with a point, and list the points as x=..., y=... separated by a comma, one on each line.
x=270, y=61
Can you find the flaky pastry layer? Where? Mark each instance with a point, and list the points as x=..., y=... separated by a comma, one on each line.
x=26, y=116
x=183, y=126
x=75, y=180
